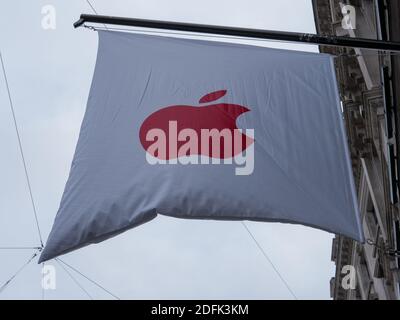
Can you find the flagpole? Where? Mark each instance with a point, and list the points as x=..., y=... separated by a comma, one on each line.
x=309, y=38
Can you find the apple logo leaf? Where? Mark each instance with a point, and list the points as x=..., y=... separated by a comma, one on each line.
x=212, y=96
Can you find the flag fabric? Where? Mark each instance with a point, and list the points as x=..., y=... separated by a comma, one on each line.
x=206, y=130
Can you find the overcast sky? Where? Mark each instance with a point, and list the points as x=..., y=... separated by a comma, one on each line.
x=49, y=74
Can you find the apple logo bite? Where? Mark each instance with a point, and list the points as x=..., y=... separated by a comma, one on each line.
x=208, y=130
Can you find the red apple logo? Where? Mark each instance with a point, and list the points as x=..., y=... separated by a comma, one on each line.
x=208, y=130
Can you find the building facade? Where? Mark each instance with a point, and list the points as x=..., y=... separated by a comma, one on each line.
x=369, y=84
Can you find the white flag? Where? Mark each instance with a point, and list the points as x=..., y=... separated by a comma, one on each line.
x=206, y=130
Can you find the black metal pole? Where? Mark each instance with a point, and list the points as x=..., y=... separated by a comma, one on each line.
x=244, y=32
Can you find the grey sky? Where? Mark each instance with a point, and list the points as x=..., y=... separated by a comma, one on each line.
x=49, y=74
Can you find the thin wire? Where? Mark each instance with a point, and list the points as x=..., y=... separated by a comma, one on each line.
x=74, y=279
x=20, y=248
x=21, y=150
x=91, y=6
x=95, y=11
x=270, y=261
x=387, y=251
x=87, y=278
x=350, y=55
x=4, y=286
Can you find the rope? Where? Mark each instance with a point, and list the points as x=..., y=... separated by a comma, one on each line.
x=87, y=278
x=74, y=279
x=270, y=261
x=4, y=286
x=21, y=150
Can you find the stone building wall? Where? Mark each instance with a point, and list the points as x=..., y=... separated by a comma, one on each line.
x=369, y=87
